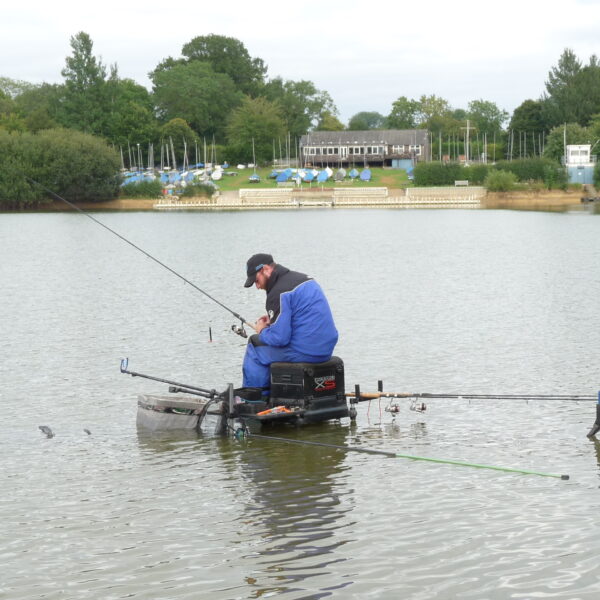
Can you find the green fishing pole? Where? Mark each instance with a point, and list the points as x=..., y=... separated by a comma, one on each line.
x=409, y=456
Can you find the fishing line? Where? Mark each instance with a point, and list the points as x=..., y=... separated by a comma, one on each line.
x=147, y=254
x=408, y=456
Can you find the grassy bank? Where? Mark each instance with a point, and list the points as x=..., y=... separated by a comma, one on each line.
x=390, y=178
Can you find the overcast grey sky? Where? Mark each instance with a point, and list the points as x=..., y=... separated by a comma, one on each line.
x=365, y=54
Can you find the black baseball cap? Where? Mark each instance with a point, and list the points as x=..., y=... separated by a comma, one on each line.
x=254, y=265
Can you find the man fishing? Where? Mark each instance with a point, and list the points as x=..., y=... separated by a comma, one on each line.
x=298, y=326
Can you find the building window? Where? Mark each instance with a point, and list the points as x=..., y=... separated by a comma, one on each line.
x=416, y=150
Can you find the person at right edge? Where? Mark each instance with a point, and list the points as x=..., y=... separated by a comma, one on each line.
x=298, y=326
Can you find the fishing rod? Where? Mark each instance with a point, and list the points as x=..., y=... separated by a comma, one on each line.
x=239, y=330
x=376, y=395
x=176, y=386
x=358, y=396
x=407, y=456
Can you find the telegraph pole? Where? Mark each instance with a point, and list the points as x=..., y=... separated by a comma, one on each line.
x=468, y=128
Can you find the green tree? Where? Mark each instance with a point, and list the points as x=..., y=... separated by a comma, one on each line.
x=230, y=57
x=329, y=122
x=130, y=112
x=594, y=132
x=41, y=100
x=562, y=75
x=85, y=97
x=9, y=119
x=486, y=116
x=555, y=142
x=13, y=87
x=258, y=122
x=559, y=102
x=365, y=120
x=528, y=116
x=586, y=86
x=39, y=119
x=459, y=114
x=301, y=104
x=195, y=93
x=403, y=114
x=430, y=108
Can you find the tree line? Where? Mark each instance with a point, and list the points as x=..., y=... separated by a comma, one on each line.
x=216, y=93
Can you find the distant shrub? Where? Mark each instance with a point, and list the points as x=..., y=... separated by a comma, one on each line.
x=536, y=186
x=199, y=189
x=435, y=173
x=74, y=165
x=597, y=175
x=141, y=189
x=527, y=169
x=500, y=181
x=555, y=177
x=476, y=174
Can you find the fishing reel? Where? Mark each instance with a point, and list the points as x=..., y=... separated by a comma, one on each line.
x=418, y=406
x=415, y=406
x=239, y=329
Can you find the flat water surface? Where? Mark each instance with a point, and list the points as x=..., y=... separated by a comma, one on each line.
x=440, y=301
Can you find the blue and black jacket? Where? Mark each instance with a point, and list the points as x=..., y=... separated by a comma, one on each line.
x=299, y=313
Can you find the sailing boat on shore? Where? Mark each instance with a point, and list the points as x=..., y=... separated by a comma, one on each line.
x=255, y=177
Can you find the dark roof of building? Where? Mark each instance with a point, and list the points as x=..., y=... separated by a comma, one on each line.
x=371, y=136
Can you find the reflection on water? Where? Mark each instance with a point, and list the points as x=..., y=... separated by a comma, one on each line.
x=596, y=445
x=298, y=497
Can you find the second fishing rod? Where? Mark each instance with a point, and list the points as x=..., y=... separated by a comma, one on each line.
x=237, y=329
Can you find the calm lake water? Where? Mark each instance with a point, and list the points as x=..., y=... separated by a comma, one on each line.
x=441, y=301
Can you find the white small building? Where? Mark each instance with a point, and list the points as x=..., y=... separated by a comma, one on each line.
x=580, y=163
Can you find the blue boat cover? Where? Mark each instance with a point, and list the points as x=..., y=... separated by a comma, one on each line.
x=322, y=176
x=353, y=174
x=283, y=176
x=366, y=175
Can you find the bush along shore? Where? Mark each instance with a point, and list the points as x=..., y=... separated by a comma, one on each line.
x=85, y=170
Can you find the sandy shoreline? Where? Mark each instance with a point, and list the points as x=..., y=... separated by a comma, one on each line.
x=541, y=200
